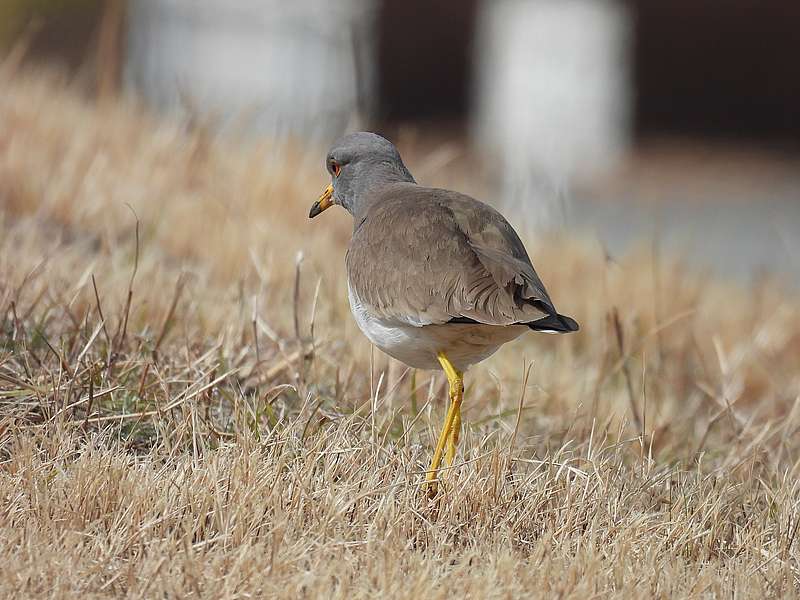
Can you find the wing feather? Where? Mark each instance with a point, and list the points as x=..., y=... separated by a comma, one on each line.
x=424, y=256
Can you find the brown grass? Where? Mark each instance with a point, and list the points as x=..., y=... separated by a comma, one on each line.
x=200, y=417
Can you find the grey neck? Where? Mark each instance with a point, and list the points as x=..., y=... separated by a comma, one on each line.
x=368, y=186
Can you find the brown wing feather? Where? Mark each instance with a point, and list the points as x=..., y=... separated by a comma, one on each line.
x=425, y=256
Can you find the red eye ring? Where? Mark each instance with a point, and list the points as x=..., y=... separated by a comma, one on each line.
x=336, y=169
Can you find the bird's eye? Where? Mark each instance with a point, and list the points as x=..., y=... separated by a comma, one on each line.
x=335, y=169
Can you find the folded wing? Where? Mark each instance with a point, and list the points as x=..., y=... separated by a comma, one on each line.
x=444, y=257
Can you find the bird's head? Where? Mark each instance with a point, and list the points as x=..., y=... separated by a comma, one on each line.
x=359, y=164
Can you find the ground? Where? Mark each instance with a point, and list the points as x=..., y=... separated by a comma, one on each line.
x=187, y=409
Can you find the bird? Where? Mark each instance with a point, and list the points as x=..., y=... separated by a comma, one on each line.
x=436, y=279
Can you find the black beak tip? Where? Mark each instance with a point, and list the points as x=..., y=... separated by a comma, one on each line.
x=314, y=211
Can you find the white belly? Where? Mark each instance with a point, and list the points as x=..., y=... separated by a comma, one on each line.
x=464, y=344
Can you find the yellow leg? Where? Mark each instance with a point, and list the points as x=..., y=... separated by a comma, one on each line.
x=452, y=422
x=455, y=433
x=414, y=392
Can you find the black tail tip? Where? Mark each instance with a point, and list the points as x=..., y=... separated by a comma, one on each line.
x=555, y=324
x=570, y=324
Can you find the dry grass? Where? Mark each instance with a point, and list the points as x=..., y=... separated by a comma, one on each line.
x=200, y=418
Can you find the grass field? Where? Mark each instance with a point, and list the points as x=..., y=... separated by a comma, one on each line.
x=187, y=409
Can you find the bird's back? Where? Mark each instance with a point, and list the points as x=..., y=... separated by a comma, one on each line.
x=442, y=256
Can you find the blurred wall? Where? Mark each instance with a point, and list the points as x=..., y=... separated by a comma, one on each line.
x=699, y=68
x=281, y=68
x=425, y=58
x=727, y=68
x=553, y=96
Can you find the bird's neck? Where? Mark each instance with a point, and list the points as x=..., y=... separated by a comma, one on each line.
x=370, y=190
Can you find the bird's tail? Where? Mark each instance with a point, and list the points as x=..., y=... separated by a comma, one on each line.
x=555, y=323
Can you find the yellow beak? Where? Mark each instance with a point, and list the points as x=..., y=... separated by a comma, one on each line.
x=324, y=202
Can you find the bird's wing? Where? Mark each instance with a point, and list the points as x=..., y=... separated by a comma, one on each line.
x=424, y=256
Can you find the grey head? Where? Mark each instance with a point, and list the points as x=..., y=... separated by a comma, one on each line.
x=360, y=164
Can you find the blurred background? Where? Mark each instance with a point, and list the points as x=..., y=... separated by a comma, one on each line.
x=635, y=120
